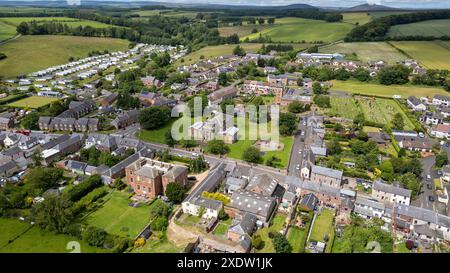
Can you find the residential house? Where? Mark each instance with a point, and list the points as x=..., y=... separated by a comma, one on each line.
x=108, y=100
x=242, y=227
x=126, y=119
x=308, y=202
x=224, y=93
x=422, y=145
x=390, y=193
x=415, y=104
x=441, y=100
x=7, y=121
x=233, y=184
x=323, y=175
x=441, y=131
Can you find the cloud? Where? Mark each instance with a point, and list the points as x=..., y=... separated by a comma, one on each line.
x=73, y=2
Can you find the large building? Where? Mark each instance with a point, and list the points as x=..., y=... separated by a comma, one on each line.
x=327, y=176
x=149, y=178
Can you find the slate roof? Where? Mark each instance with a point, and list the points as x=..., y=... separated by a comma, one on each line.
x=264, y=182
x=327, y=172
x=244, y=226
x=257, y=204
x=380, y=186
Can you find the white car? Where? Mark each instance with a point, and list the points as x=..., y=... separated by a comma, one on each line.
x=300, y=151
x=297, y=167
x=194, y=154
x=303, y=133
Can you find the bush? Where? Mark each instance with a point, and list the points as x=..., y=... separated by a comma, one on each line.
x=160, y=223
x=175, y=192
x=139, y=242
x=94, y=236
x=73, y=230
x=257, y=242
x=80, y=190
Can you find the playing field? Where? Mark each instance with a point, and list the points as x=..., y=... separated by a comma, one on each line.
x=387, y=90
x=343, y=107
x=382, y=111
x=301, y=30
x=366, y=52
x=436, y=28
x=431, y=54
x=32, y=53
x=32, y=102
x=359, y=18
x=117, y=217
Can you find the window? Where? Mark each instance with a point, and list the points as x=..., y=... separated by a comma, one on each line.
x=131, y=180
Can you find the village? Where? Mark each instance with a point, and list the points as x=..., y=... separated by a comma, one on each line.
x=334, y=167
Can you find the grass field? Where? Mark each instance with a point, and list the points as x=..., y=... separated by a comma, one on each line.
x=436, y=28
x=158, y=243
x=241, y=31
x=360, y=18
x=343, y=107
x=32, y=53
x=145, y=13
x=387, y=91
x=378, y=14
x=6, y=31
x=323, y=225
x=32, y=102
x=64, y=20
x=117, y=217
x=157, y=136
x=297, y=238
x=299, y=29
x=382, y=111
x=35, y=240
x=366, y=52
x=431, y=54
x=222, y=227
x=277, y=226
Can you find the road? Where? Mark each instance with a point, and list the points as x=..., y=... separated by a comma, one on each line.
x=296, y=158
x=422, y=200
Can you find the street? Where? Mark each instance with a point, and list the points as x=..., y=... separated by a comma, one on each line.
x=422, y=199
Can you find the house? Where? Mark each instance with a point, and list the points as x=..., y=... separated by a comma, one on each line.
x=126, y=119
x=441, y=100
x=150, y=81
x=441, y=131
x=415, y=104
x=308, y=202
x=368, y=208
x=78, y=109
x=11, y=140
x=149, y=178
x=8, y=169
x=432, y=118
x=239, y=228
x=291, y=95
x=401, y=133
x=323, y=175
x=108, y=100
x=233, y=184
x=211, y=85
x=445, y=111
x=105, y=143
x=261, y=206
x=26, y=143
x=148, y=98
x=416, y=145
x=288, y=200
x=77, y=167
x=224, y=93
x=262, y=88
x=328, y=195
x=13, y=153
x=215, y=128
x=210, y=207
x=381, y=139
x=445, y=174
x=7, y=121
x=66, y=144
x=390, y=193
x=68, y=124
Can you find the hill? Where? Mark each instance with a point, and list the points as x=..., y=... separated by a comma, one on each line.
x=369, y=7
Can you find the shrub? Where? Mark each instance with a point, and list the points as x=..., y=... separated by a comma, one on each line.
x=139, y=242
x=94, y=236
x=160, y=223
x=80, y=190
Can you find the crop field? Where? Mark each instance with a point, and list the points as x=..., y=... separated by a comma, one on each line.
x=359, y=18
x=431, y=54
x=436, y=28
x=32, y=102
x=382, y=111
x=366, y=52
x=32, y=53
x=301, y=30
x=375, y=89
x=343, y=107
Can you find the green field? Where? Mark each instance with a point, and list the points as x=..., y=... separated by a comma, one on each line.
x=277, y=225
x=32, y=102
x=175, y=13
x=343, y=107
x=299, y=29
x=222, y=227
x=374, y=89
x=117, y=217
x=431, y=54
x=359, y=18
x=157, y=136
x=158, y=243
x=64, y=20
x=382, y=111
x=366, y=52
x=32, y=53
x=379, y=14
x=7, y=31
x=241, y=31
x=297, y=238
x=436, y=28
x=323, y=225
x=35, y=240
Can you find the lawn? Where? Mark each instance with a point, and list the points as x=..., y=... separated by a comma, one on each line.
x=343, y=107
x=366, y=52
x=222, y=227
x=117, y=217
x=277, y=226
x=297, y=238
x=359, y=18
x=431, y=54
x=36, y=240
x=436, y=28
x=299, y=30
x=157, y=135
x=32, y=53
x=32, y=102
x=323, y=225
x=374, y=89
x=369, y=129
x=382, y=111
x=158, y=243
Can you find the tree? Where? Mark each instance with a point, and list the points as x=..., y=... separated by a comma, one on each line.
x=175, y=192
x=359, y=119
x=222, y=78
x=410, y=181
x=222, y=214
x=322, y=101
x=397, y=74
x=441, y=159
x=53, y=214
x=251, y=154
x=257, y=242
x=288, y=124
x=261, y=21
x=198, y=164
x=334, y=147
x=159, y=208
x=154, y=117
x=160, y=223
x=217, y=147
x=317, y=89
x=94, y=236
x=281, y=244
x=398, y=122
x=271, y=21
x=37, y=158
x=273, y=161
x=30, y=121
x=41, y=179
x=296, y=107
x=239, y=51
x=168, y=139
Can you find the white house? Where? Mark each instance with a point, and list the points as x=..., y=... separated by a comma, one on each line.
x=415, y=104
x=210, y=207
x=441, y=100
x=390, y=193
x=441, y=131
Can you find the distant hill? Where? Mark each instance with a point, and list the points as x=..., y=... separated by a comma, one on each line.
x=369, y=7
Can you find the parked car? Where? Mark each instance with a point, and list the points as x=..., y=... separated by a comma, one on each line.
x=431, y=198
x=429, y=187
x=428, y=177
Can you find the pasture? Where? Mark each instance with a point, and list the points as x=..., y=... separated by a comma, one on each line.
x=367, y=52
x=379, y=14
x=177, y=13
x=32, y=53
x=436, y=28
x=375, y=89
x=356, y=18
x=303, y=30
x=241, y=31
x=343, y=107
x=33, y=102
x=7, y=31
x=431, y=54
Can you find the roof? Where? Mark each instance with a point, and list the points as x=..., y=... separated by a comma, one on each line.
x=264, y=183
x=253, y=203
x=380, y=186
x=76, y=165
x=246, y=225
x=211, y=182
x=327, y=172
x=309, y=201
x=207, y=203
x=364, y=202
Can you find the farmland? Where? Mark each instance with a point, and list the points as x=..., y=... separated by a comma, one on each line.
x=31, y=53
x=145, y=13
x=299, y=29
x=6, y=31
x=366, y=52
x=15, y=21
x=374, y=89
x=241, y=31
x=359, y=18
x=431, y=54
x=436, y=28
x=343, y=107
x=32, y=102
x=382, y=111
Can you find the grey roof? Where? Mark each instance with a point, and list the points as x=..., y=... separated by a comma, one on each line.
x=265, y=182
x=424, y=230
x=380, y=186
x=210, y=183
x=309, y=201
x=7, y=166
x=148, y=172
x=235, y=183
x=73, y=140
x=253, y=203
x=364, y=202
x=312, y=186
x=207, y=203
x=12, y=151
x=415, y=101
x=327, y=172
x=246, y=225
x=76, y=165
x=175, y=171
x=417, y=213
x=55, y=141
